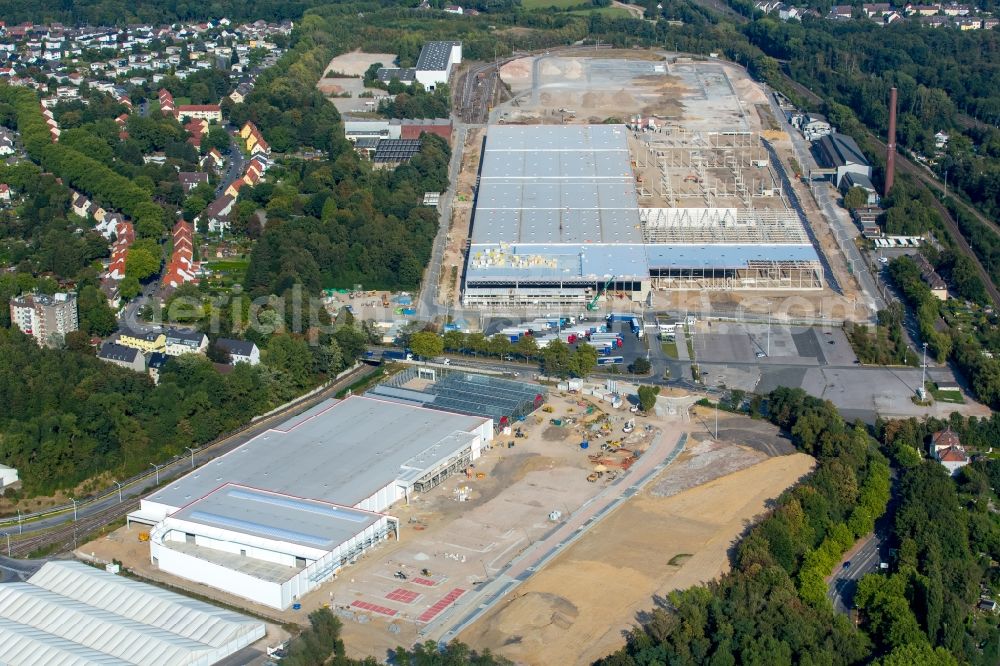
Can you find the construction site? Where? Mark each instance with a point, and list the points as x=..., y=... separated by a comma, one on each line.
x=687, y=196
x=635, y=177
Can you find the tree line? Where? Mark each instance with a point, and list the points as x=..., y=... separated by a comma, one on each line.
x=965, y=347
x=76, y=169
x=772, y=607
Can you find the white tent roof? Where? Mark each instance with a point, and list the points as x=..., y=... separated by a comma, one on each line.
x=70, y=613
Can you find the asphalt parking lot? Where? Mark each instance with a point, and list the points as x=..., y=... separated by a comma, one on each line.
x=725, y=342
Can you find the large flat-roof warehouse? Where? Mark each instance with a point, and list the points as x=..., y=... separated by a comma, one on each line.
x=277, y=516
x=70, y=613
x=557, y=219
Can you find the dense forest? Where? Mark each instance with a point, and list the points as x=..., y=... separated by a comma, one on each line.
x=68, y=416
x=948, y=80
x=960, y=343
x=122, y=12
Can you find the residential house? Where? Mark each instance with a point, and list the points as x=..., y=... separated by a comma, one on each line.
x=180, y=342
x=167, y=106
x=217, y=213
x=5, y=192
x=922, y=10
x=6, y=142
x=156, y=362
x=122, y=356
x=191, y=179
x=145, y=341
x=181, y=267
x=209, y=112
x=212, y=160
x=872, y=10
x=241, y=92
x=240, y=351
x=254, y=141
x=841, y=12
x=946, y=448
x=934, y=281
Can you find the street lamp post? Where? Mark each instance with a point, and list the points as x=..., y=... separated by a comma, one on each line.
x=192, y=455
x=119, y=491
x=156, y=468
x=73, y=500
x=923, y=373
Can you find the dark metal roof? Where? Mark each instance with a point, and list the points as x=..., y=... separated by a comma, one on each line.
x=235, y=347
x=396, y=150
x=434, y=56
x=112, y=351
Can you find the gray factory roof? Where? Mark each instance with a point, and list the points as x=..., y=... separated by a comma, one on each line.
x=401, y=74
x=724, y=256
x=581, y=262
x=556, y=184
x=434, y=56
x=309, y=523
x=339, y=451
x=837, y=150
x=70, y=613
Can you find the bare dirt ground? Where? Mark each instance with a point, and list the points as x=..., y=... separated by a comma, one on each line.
x=461, y=532
x=461, y=219
x=357, y=63
x=579, y=608
x=343, y=84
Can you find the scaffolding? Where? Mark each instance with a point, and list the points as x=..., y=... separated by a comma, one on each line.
x=463, y=392
x=756, y=275
x=705, y=226
x=440, y=474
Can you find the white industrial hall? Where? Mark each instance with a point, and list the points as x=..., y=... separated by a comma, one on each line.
x=274, y=518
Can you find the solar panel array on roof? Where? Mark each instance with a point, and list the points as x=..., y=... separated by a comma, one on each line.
x=465, y=393
x=396, y=150
x=434, y=56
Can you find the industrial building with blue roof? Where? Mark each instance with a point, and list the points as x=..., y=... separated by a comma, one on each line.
x=557, y=219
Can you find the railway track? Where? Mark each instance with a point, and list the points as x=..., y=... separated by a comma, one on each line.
x=70, y=534
x=905, y=165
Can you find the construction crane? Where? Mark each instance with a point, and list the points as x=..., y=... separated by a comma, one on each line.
x=593, y=304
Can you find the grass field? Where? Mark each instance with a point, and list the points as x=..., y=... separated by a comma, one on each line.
x=954, y=397
x=670, y=348
x=229, y=265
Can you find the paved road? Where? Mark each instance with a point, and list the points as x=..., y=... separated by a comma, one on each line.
x=864, y=558
x=862, y=561
x=471, y=607
x=427, y=305
x=234, y=170
x=838, y=219
x=59, y=528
